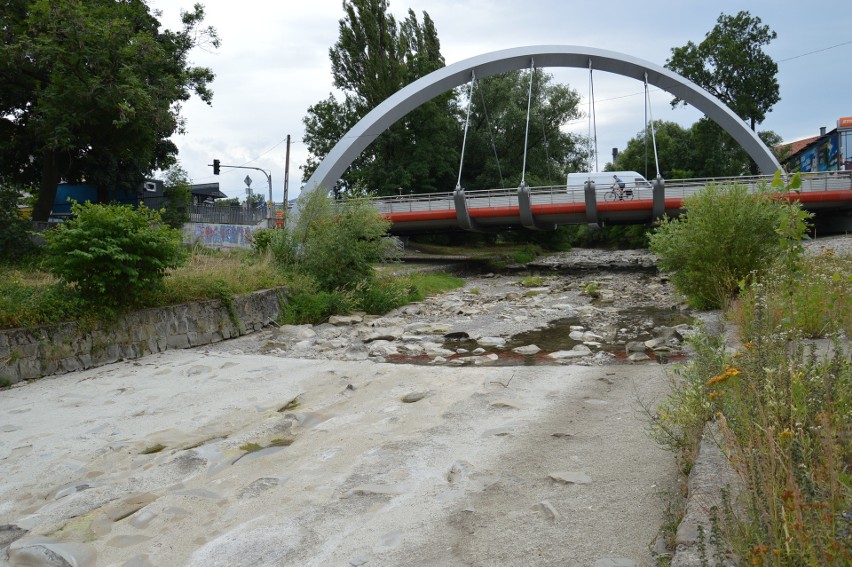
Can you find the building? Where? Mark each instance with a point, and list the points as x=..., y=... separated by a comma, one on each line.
x=829, y=151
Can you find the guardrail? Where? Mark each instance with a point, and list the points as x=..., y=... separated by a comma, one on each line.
x=560, y=194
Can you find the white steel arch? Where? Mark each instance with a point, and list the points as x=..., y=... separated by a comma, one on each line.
x=438, y=82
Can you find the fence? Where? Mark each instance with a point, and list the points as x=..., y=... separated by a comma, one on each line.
x=212, y=214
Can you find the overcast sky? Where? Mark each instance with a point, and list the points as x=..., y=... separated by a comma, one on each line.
x=273, y=64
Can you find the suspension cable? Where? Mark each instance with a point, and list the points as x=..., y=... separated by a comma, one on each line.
x=593, y=125
x=527, y=132
x=466, y=122
x=490, y=133
x=651, y=115
x=546, y=149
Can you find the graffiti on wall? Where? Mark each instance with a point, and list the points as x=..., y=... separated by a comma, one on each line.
x=221, y=235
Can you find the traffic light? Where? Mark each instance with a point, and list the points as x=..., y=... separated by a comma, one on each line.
x=215, y=167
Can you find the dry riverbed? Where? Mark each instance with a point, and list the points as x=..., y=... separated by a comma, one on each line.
x=374, y=441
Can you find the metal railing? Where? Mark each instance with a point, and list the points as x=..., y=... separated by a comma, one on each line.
x=560, y=194
x=212, y=214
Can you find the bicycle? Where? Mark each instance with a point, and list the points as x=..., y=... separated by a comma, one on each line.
x=616, y=193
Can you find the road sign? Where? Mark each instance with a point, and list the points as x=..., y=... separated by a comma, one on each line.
x=248, y=181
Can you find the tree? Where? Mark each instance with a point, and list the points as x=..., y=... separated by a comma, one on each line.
x=702, y=150
x=498, y=122
x=731, y=65
x=92, y=91
x=177, y=192
x=674, y=152
x=726, y=234
x=372, y=59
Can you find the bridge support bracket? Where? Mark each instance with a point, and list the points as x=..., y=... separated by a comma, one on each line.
x=463, y=214
x=525, y=209
x=658, y=208
x=591, y=202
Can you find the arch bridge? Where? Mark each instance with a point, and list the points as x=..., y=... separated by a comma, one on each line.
x=539, y=208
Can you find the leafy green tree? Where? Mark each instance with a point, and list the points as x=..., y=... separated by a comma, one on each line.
x=373, y=58
x=498, y=123
x=177, y=191
x=731, y=65
x=15, y=242
x=92, y=91
x=113, y=254
x=702, y=150
x=725, y=235
x=674, y=151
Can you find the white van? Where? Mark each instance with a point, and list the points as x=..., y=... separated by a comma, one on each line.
x=604, y=180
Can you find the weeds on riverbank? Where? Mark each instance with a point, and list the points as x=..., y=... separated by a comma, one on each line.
x=784, y=409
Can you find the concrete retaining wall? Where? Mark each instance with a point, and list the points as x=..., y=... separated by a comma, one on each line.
x=57, y=349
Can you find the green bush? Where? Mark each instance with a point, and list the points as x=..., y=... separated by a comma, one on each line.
x=334, y=243
x=726, y=234
x=113, y=253
x=14, y=230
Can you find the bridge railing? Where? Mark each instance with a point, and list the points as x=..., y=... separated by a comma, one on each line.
x=559, y=194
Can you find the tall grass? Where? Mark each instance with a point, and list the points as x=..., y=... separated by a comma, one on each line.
x=784, y=405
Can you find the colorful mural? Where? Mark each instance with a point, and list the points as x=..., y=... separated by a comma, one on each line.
x=220, y=235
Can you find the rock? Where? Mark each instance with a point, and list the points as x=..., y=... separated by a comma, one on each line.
x=589, y=336
x=294, y=332
x=342, y=320
x=571, y=477
x=546, y=508
x=578, y=351
x=458, y=471
x=479, y=350
x=356, y=352
x=615, y=562
x=491, y=341
x=434, y=349
x=634, y=346
x=414, y=397
x=576, y=335
x=638, y=357
x=526, y=350
x=654, y=343
x=438, y=360
x=47, y=552
x=10, y=533
x=381, y=334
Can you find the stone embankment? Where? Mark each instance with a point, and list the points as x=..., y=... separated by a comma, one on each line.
x=26, y=354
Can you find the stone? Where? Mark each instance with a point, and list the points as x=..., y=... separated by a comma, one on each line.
x=576, y=335
x=526, y=350
x=341, y=320
x=570, y=477
x=356, y=352
x=547, y=510
x=381, y=334
x=491, y=341
x=615, y=562
x=638, y=357
x=654, y=343
x=578, y=351
x=412, y=397
x=634, y=346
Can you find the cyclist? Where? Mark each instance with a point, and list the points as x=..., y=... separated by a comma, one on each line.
x=619, y=185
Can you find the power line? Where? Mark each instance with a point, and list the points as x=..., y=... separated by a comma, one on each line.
x=816, y=51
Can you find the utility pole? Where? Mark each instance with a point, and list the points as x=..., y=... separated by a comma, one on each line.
x=287, y=176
